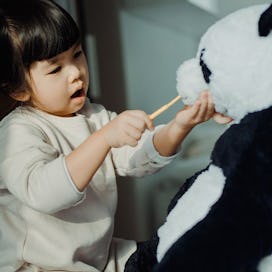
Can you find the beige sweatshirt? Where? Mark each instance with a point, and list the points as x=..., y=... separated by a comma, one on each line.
x=45, y=222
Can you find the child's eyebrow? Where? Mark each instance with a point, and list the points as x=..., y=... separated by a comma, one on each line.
x=56, y=58
x=52, y=60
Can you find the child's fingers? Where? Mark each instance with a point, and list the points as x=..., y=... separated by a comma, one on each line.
x=210, y=108
x=134, y=132
x=125, y=138
x=142, y=120
x=203, y=106
x=149, y=123
x=131, y=141
x=192, y=111
x=206, y=109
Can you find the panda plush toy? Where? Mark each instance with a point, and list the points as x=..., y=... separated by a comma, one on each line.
x=221, y=218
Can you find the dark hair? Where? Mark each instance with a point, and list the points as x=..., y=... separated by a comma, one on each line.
x=31, y=30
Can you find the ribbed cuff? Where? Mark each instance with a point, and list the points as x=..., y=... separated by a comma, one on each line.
x=153, y=154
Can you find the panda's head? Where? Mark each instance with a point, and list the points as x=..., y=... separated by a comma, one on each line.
x=234, y=62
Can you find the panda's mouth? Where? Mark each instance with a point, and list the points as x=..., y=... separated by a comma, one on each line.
x=78, y=93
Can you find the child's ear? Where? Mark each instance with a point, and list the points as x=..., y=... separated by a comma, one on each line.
x=21, y=96
x=221, y=119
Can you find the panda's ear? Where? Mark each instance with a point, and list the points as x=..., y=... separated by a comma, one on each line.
x=265, y=22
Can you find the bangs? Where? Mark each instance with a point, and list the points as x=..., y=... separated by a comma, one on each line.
x=47, y=34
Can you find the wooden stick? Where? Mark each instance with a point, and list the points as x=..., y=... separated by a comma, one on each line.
x=156, y=113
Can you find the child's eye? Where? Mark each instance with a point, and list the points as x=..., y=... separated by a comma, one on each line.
x=77, y=54
x=57, y=69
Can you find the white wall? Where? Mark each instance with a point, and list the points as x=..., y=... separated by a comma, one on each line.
x=152, y=54
x=156, y=40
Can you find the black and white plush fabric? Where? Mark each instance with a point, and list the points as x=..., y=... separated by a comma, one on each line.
x=221, y=219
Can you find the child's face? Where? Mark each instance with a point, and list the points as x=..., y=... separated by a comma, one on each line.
x=59, y=85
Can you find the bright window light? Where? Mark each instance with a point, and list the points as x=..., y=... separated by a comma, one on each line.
x=208, y=5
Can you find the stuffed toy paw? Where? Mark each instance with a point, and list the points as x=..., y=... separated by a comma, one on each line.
x=221, y=218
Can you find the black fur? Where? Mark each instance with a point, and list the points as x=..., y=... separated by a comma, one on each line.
x=205, y=70
x=144, y=258
x=265, y=22
x=236, y=233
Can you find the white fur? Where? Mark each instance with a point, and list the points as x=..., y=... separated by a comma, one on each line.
x=191, y=208
x=265, y=265
x=190, y=81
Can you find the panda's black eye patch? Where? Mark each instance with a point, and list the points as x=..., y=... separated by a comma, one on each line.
x=205, y=70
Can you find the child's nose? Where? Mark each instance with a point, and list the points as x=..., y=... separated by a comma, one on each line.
x=74, y=73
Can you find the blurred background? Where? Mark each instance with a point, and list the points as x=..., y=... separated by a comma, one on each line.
x=134, y=48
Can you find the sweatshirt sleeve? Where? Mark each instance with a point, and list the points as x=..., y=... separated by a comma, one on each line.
x=33, y=171
x=134, y=161
x=141, y=160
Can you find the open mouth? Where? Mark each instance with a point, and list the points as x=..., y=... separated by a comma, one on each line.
x=78, y=93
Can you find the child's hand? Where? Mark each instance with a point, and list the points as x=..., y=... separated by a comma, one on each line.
x=127, y=128
x=201, y=111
